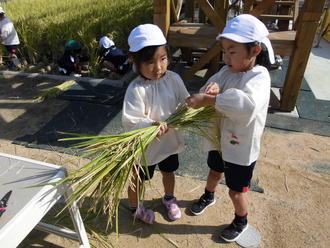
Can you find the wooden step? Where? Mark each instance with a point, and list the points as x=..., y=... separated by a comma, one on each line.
x=279, y=17
x=283, y=42
x=192, y=35
x=199, y=35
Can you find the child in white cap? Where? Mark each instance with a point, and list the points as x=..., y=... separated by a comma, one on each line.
x=9, y=38
x=151, y=98
x=240, y=91
x=112, y=57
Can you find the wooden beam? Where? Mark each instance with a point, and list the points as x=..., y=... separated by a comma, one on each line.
x=209, y=55
x=214, y=17
x=162, y=9
x=308, y=25
x=173, y=11
x=178, y=8
x=262, y=7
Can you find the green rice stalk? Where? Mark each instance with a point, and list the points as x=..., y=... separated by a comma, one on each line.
x=114, y=157
x=55, y=91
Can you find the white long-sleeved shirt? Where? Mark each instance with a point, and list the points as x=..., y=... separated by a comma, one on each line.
x=147, y=101
x=8, y=33
x=243, y=99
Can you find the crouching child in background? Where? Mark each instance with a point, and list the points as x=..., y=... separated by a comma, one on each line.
x=70, y=62
x=112, y=57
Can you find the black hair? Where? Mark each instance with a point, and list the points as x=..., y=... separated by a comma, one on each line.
x=262, y=57
x=146, y=54
x=2, y=15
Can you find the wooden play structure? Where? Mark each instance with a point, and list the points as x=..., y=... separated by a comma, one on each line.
x=188, y=34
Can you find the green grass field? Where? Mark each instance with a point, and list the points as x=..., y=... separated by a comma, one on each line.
x=44, y=26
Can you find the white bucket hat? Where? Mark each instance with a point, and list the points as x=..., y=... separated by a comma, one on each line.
x=246, y=28
x=106, y=42
x=1, y=10
x=145, y=35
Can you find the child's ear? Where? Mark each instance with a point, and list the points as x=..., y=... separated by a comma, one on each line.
x=256, y=50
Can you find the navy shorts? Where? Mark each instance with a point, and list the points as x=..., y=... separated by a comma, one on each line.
x=238, y=177
x=169, y=164
x=11, y=48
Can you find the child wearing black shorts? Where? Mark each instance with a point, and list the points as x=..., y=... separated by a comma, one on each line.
x=240, y=91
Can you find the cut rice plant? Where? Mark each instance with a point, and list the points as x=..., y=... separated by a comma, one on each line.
x=55, y=91
x=113, y=157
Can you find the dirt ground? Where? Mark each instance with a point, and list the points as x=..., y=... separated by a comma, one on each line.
x=293, y=170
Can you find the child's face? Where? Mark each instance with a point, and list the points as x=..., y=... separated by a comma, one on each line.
x=236, y=56
x=156, y=67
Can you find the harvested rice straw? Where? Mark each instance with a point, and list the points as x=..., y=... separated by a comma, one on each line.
x=55, y=91
x=114, y=157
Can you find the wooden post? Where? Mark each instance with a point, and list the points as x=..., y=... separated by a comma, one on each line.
x=162, y=10
x=190, y=10
x=221, y=7
x=308, y=23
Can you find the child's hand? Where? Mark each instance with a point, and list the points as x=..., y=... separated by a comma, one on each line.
x=163, y=129
x=212, y=89
x=196, y=101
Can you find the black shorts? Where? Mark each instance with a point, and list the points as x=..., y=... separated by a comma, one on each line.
x=11, y=48
x=169, y=164
x=238, y=177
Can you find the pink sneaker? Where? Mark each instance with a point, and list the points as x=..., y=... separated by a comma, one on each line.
x=146, y=215
x=173, y=209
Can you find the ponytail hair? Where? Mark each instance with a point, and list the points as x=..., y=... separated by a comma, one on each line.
x=263, y=57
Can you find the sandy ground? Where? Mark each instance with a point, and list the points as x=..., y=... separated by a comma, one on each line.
x=293, y=169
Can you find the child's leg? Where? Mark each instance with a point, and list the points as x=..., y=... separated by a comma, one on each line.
x=168, y=182
x=139, y=212
x=167, y=168
x=133, y=192
x=238, y=179
x=240, y=202
x=213, y=180
x=215, y=163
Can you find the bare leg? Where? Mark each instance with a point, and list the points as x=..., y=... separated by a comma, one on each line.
x=213, y=180
x=133, y=192
x=168, y=182
x=240, y=202
x=109, y=65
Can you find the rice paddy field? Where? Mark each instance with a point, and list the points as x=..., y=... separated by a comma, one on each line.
x=44, y=26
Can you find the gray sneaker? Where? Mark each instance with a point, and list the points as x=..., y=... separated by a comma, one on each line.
x=203, y=203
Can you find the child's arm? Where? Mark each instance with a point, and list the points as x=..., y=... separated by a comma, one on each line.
x=200, y=100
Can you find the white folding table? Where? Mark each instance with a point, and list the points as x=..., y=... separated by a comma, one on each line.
x=27, y=206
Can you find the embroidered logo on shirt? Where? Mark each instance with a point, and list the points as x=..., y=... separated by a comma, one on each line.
x=234, y=140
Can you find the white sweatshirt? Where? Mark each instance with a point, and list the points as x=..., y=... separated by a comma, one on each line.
x=147, y=101
x=8, y=32
x=243, y=99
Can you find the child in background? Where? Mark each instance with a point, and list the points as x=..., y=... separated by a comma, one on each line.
x=151, y=98
x=69, y=63
x=240, y=91
x=9, y=38
x=112, y=57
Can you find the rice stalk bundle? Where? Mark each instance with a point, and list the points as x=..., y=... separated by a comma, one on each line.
x=115, y=156
x=55, y=91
